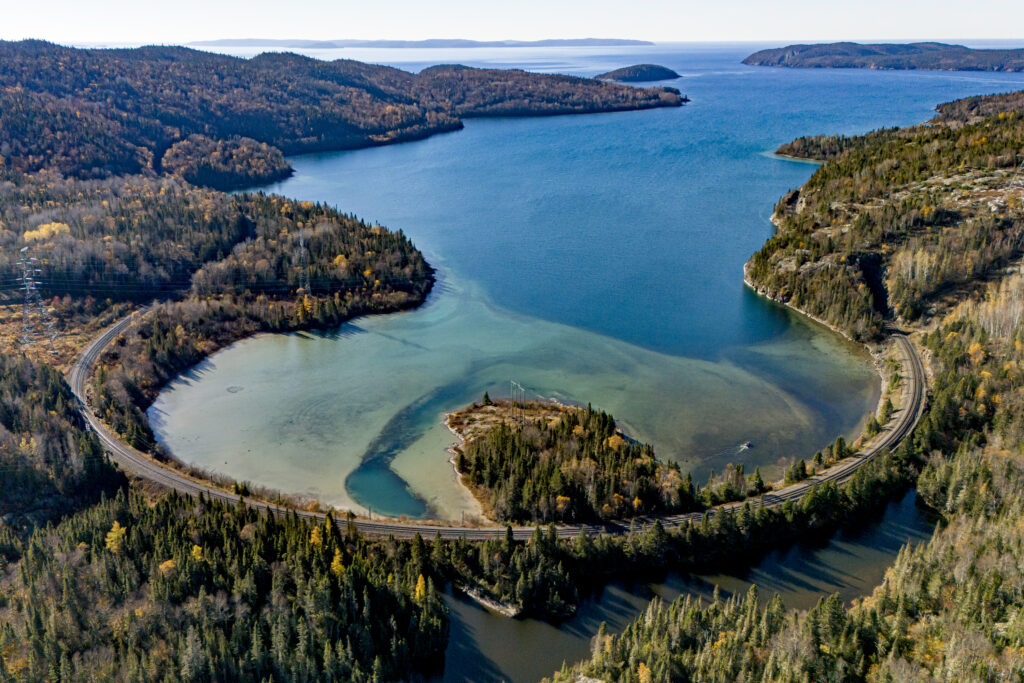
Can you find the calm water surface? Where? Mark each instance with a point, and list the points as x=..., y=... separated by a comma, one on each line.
x=487, y=647
x=593, y=258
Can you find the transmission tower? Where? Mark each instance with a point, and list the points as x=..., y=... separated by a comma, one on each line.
x=35, y=318
x=303, y=263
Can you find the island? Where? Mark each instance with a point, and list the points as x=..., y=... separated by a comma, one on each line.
x=640, y=73
x=545, y=462
x=935, y=56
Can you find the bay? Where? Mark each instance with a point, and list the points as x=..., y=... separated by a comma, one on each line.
x=596, y=259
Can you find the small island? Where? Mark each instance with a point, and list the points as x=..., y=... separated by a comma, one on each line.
x=640, y=73
x=933, y=56
x=541, y=462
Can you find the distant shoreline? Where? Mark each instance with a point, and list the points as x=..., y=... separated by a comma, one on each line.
x=429, y=43
x=929, y=56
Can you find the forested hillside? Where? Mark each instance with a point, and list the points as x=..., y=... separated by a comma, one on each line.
x=942, y=56
x=49, y=464
x=131, y=238
x=895, y=219
x=96, y=113
x=225, y=164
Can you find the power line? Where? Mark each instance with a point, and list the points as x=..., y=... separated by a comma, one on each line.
x=35, y=317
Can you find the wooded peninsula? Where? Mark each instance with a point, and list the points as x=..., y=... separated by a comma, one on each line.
x=226, y=121
x=938, y=56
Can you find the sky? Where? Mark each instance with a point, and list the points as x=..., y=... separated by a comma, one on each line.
x=182, y=21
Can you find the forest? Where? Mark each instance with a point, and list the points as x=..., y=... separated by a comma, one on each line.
x=50, y=465
x=941, y=56
x=582, y=468
x=894, y=220
x=193, y=590
x=132, y=238
x=225, y=164
x=94, y=113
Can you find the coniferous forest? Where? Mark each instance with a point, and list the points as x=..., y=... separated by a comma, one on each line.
x=579, y=467
x=93, y=113
x=113, y=178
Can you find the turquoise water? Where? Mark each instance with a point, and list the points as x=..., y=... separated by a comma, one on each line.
x=593, y=258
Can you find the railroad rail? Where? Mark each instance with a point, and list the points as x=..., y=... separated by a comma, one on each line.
x=145, y=467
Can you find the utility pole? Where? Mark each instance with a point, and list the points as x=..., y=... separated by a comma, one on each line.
x=518, y=402
x=35, y=318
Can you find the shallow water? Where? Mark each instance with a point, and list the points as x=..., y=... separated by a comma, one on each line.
x=593, y=258
x=488, y=647
x=304, y=406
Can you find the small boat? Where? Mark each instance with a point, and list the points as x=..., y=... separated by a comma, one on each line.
x=745, y=445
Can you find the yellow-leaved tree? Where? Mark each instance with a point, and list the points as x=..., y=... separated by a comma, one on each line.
x=337, y=566
x=115, y=538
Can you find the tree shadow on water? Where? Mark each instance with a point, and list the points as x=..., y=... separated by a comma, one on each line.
x=465, y=661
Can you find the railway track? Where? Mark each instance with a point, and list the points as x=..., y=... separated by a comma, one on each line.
x=144, y=467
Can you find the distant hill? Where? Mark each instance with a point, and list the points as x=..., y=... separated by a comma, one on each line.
x=96, y=113
x=433, y=42
x=937, y=56
x=640, y=73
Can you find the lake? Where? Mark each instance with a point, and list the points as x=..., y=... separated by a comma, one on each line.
x=595, y=259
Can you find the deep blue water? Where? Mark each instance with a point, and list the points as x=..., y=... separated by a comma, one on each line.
x=633, y=225
x=597, y=258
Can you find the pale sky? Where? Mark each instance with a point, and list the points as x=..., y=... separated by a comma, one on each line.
x=180, y=21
